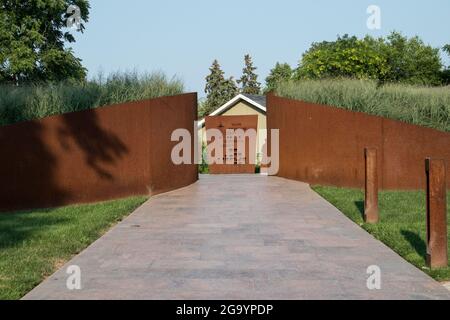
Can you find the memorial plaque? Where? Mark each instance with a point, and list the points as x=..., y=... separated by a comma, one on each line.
x=235, y=161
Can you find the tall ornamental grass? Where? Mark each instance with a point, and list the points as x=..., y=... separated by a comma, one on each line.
x=37, y=101
x=425, y=106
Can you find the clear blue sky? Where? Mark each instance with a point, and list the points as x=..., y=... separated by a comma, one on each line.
x=183, y=37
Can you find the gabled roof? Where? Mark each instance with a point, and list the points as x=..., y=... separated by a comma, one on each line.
x=258, y=101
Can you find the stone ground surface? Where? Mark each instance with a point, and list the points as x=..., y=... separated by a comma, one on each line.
x=446, y=285
x=239, y=237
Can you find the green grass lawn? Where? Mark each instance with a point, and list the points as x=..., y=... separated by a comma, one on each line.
x=33, y=244
x=403, y=221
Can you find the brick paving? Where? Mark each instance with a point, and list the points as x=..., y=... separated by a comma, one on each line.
x=239, y=237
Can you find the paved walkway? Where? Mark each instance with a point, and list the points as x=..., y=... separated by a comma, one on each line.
x=239, y=237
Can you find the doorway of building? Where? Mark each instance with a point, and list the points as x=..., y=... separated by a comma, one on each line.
x=238, y=161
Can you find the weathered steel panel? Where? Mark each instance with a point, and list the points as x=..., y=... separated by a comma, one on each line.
x=95, y=155
x=325, y=145
x=437, y=251
x=371, y=187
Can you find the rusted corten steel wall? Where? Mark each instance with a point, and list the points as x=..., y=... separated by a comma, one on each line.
x=95, y=155
x=325, y=145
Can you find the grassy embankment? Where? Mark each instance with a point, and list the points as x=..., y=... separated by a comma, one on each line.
x=41, y=100
x=425, y=106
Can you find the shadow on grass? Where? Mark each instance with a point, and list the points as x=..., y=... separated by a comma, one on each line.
x=360, y=206
x=20, y=227
x=416, y=242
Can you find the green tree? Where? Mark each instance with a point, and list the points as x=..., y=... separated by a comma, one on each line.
x=446, y=49
x=345, y=57
x=280, y=73
x=249, y=80
x=218, y=89
x=395, y=59
x=32, y=41
x=411, y=61
x=446, y=71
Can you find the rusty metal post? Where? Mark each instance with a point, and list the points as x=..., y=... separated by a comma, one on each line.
x=437, y=255
x=371, y=187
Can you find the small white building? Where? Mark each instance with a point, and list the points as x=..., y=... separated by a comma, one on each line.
x=243, y=105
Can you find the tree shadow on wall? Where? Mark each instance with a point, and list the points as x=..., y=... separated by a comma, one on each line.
x=99, y=146
x=27, y=168
x=30, y=171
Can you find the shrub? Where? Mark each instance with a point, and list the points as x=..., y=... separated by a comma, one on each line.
x=203, y=168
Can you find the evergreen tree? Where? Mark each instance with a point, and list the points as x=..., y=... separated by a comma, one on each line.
x=281, y=72
x=218, y=89
x=249, y=80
